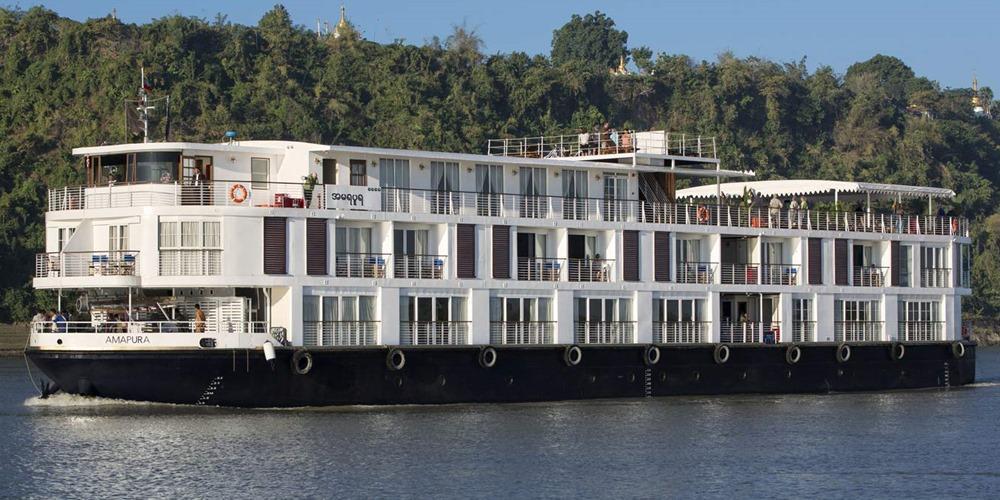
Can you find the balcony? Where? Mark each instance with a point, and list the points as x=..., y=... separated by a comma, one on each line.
x=110, y=326
x=701, y=273
x=340, y=333
x=539, y=269
x=605, y=143
x=803, y=331
x=680, y=332
x=920, y=331
x=418, y=266
x=522, y=332
x=190, y=262
x=739, y=274
x=873, y=276
x=434, y=332
x=590, y=269
x=935, y=277
x=605, y=332
x=857, y=331
x=85, y=264
x=361, y=265
x=779, y=274
x=751, y=332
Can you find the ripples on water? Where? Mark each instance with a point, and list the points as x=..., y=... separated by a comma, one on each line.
x=930, y=443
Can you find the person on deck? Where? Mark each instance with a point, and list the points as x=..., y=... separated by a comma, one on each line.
x=199, y=319
x=59, y=322
x=803, y=211
x=774, y=211
x=38, y=320
x=793, y=213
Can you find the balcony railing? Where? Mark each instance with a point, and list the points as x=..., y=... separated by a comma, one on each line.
x=604, y=143
x=739, y=274
x=418, y=266
x=857, y=331
x=511, y=205
x=590, y=269
x=702, y=273
x=920, y=331
x=522, y=332
x=186, y=326
x=190, y=262
x=605, y=332
x=539, y=269
x=361, y=265
x=779, y=274
x=935, y=277
x=340, y=333
x=768, y=332
x=434, y=332
x=869, y=276
x=680, y=332
x=82, y=264
x=803, y=331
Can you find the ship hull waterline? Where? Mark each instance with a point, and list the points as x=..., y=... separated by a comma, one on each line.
x=456, y=374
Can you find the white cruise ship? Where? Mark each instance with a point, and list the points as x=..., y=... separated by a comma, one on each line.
x=275, y=273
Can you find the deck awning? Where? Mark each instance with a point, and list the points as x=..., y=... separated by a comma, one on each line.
x=816, y=190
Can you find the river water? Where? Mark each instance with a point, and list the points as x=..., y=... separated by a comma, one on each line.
x=931, y=443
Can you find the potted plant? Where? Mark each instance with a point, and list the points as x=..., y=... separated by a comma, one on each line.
x=308, y=185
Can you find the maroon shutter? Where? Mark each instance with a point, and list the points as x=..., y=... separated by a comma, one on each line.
x=661, y=254
x=630, y=259
x=316, y=252
x=501, y=252
x=841, y=272
x=466, y=249
x=275, y=245
x=895, y=264
x=815, y=261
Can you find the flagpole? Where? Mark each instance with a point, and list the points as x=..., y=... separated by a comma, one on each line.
x=145, y=109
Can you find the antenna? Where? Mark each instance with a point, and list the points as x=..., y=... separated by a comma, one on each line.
x=144, y=108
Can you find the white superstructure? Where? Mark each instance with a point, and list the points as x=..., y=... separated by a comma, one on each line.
x=562, y=240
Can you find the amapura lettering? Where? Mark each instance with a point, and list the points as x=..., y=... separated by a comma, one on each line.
x=353, y=199
x=126, y=339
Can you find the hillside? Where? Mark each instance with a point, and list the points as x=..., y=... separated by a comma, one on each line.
x=63, y=84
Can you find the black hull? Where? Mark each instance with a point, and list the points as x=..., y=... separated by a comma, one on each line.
x=434, y=375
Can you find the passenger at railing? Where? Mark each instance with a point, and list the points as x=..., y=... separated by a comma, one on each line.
x=584, y=139
x=793, y=213
x=166, y=178
x=58, y=322
x=939, y=227
x=199, y=319
x=199, y=183
x=897, y=211
x=774, y=212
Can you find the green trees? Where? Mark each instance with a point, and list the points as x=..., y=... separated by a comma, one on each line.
x=62, y=84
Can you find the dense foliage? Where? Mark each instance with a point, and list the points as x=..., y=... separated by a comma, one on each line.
x=63, y=82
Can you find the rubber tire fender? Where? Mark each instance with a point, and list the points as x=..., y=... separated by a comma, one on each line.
x=297, y=358
x=793, y=354
x=391, y=359
x=958, y=349
x=897, y=350
x=651, y=355
x=572, y=355
x=487, y=357
x=843, y=352
x=721, y=354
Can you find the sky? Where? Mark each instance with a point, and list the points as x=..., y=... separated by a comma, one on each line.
x=944, y=40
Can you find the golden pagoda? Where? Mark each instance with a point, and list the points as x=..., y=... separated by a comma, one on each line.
x=621, y=69
x=977, y=106
x=342, y=26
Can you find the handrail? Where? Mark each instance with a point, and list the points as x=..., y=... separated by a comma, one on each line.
x=340, y=333
x=434, y=332
x=361, y=265
x=605, y=332
x=701, y=273
x=605, y=143
x=680, y=332
x=171, y=326
x=874, y=276
x=522, y=332
x=419, y=266
x=857, y=331
x=590, y=269
x=920, y=331
x=540, y=268
x=86, y=263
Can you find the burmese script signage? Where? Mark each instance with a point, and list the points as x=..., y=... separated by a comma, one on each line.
x=353, y=197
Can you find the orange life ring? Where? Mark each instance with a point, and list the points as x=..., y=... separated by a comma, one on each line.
x=703, y=214
x=954, y=226
x=238, y=193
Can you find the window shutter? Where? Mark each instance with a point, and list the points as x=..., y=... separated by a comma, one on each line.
x=316, y=251
x=661, y=251
x=466, y=249
x=815, y=261
x=630, y=259
x=841, y=271
x=894, y=257
x=275, y=245
x=501, y=252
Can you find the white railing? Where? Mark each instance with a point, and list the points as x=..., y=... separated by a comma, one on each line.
x=434, y=332
x=750, y=332
x=590, y=269
x=540, y=269
x=921, y=331
x=680, y=332
x=340, y=333
x=605, y=143
x=739, y=274
x=81, y=264
x=522, y=332
x=869, y=276
x=605, y=332
x=180, y=326
x=803, y=331
x=190, y=262
x=702, y=273
x=419, y=266
x=361, y=265
x=935, y=277
x=857, y=331
x=779, y=274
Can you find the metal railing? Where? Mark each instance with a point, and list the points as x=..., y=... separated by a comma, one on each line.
x=604, y=143
x=81, y=264
x=869, y=276
x=361, y=265
x=185, y=326
x=750, y=332
x=190, y=262
x=680, y=332
x=803, y=331
x=539, y=268
x=920, y=331
x=340, y=333
x=605, y=332
x=590, y=269
x=935, y=277
x=522, y=332
x=857, y=331
x=418, y=266
x=434, y=332
x=779, y=274
x=739, y=274
x=702, y=273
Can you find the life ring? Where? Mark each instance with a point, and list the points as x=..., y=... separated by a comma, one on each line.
x=487, y=357
x=896, y=351
x=793, y=354
x=651, y=356
x=238, y=193
x=843, y=352
x=721, y=354
x=958, y=350
x=703, y=215
x=395, y=359
x=572, y=355
x=297, y=359
x=954, y=226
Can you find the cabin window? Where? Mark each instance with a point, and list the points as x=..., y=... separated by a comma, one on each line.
x=190, y=248
x=118, y=238
x=260, y=172
x=63, y=235
x=359, y=173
